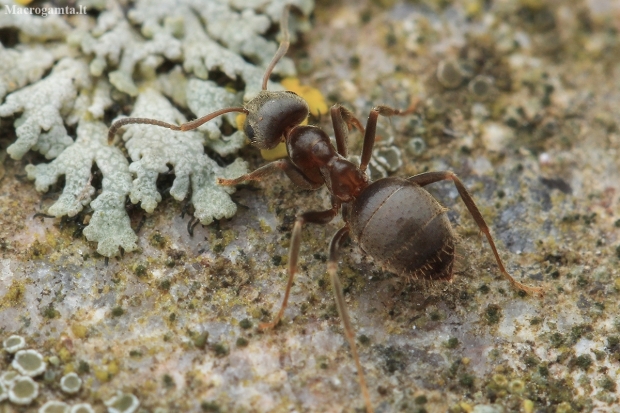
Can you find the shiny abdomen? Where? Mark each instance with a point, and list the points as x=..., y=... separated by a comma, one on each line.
x=404, y=229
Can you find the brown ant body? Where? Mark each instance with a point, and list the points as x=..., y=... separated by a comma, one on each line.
x=394, y=220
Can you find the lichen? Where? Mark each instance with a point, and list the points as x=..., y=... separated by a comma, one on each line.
x=118, y=54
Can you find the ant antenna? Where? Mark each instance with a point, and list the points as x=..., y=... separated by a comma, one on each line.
x=183, y=127
x=284, y=44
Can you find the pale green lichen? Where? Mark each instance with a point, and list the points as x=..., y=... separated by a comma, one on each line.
x=21, y=66
x=82, y=408
x=70, y=383
x=43, y=106
x=109, y=224
x=14, y=343
x=115, y=43
x=23, y=390
x=54, y=406
x=33, y=27
x=118, y=53
x=123, y=403
x=29, y=363
x=152, y=149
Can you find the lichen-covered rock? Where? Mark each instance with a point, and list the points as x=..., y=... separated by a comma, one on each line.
x=21, y=66
x=99, y=62
x=43, y=106
x=109, y=224
x=152, y=149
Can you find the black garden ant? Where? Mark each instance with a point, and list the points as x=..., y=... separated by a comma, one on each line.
x=394, y=220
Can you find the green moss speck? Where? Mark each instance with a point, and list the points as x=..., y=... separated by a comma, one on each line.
x=135, y=353
x=50, y=312
x=140, y=270
x=543, y=371
x=363, y=339
x=220, y=349
x=467, y=380
x=245, y=324
x=218, y=248
x=200, y=341
x=420, y=399
x=276, y=260
x=117, y=312
x=583, y=362
x=452, y=343
x=165, y=285
x=493, y=313
x=484, y=289
x=158, y=240
x=435, y=316
x=607, y=383
x=556, y=339
x=242, y=342
x=168, y=381
x=210, y=407
x=83, y=367
x=172, y=317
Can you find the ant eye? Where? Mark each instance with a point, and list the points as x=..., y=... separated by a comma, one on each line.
x=249, y=131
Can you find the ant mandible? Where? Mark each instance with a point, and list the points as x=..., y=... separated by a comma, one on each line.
x=394, y=220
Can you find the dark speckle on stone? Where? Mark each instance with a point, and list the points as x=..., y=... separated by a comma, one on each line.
x=557, y=183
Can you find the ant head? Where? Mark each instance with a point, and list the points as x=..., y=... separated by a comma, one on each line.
x=270, y=114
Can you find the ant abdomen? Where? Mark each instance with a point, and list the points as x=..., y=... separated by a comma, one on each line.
x=404, y=228
x=270, y=114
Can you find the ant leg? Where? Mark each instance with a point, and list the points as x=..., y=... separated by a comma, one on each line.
x=431, y=177
x=285, y=165
x=343, y=120
x=332, y=269
x=312, y=217
x=371, y=129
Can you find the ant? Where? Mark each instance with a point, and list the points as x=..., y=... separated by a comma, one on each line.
x=394, y=220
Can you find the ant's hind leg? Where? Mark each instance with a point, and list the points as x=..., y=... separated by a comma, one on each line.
x=343, y=120
x=332, y=269
x=431, y=177
x=312, y=217
x=261, y=173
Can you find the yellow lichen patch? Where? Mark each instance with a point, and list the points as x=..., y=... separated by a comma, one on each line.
x=64, y=354
x=14, y=295
x=23, y=2
x=101, y=373
x=278, y=152
x=528, y=406
x=314, y=97
x=79, y=330
x=240, y=120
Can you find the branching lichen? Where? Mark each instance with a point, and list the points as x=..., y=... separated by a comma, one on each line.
x=109, y=224
x=113, y=58
x=153, y=149
x=43, y=106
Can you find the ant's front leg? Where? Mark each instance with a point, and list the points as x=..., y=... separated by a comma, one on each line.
x=261, y=173
x=343, y=120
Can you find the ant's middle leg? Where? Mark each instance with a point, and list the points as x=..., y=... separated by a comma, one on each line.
x=312, y=217
x=261, y=173
x=431, y=177
x=343, y=120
